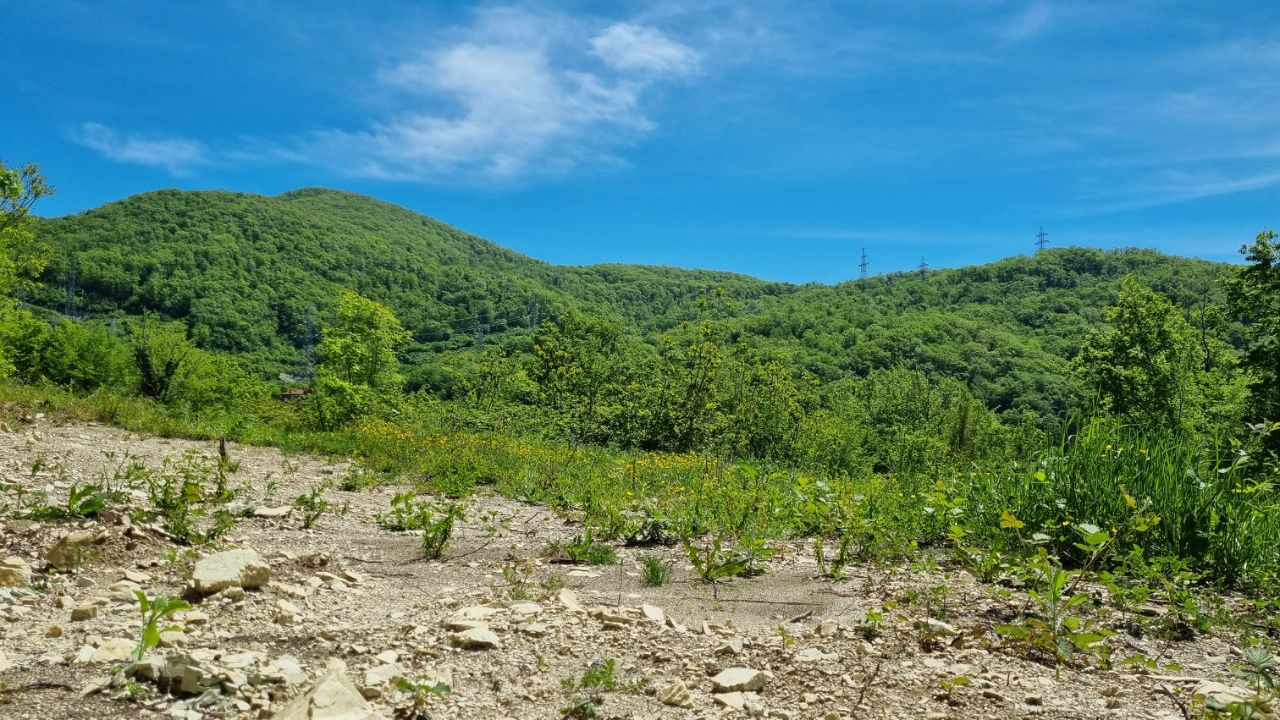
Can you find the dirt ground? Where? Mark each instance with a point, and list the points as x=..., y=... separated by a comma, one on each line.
x=352, y=591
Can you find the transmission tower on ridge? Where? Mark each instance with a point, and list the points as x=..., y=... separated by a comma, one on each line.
x=863, y=265
x=924, y=266
x=1042, y=239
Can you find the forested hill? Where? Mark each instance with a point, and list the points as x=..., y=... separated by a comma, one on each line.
x=258, y=275
x=249, y=273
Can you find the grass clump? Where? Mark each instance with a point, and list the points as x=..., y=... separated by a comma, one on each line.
x=656, y=571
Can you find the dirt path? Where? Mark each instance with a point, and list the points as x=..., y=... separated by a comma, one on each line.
x=350, y=591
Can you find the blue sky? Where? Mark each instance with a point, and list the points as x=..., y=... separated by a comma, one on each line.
x=771, y=138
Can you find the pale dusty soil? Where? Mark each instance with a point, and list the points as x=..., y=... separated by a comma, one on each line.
x=400, y=603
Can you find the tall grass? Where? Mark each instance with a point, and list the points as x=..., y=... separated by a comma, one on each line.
x=1212, y=504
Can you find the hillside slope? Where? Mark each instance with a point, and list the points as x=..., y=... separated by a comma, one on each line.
x=258, y=275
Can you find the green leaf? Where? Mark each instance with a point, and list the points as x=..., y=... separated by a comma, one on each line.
x=1013, y=632
x=1007, y=521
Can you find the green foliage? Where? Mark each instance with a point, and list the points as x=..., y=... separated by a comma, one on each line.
x=436, y=523
x=360, y=347
x=83, y=501
x=418, y=694
x=656, y=570
x=359, y=372
x=715, y=562
x=600, y=675
x=22, y=256
x=585, y=549
x=153, y=611
x=1180, y=499
x=1151, y=368
x=438, y=531
x=312, y=505
x=1255, y=297
x=188, y=497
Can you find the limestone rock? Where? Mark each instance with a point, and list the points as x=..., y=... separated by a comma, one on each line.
x=231, y=569
x=813, y=655
x=333, y=697
x=676, y=695
x=84, y=612
x=569, y=599
x=654, y=613
x=1220, y=693
x=14, y=572
x=382, y=674
x=136, y=577
x=939, y=627
x=68, y=552
x=4, y=662
x=735, y=700
x=113, y=650
x=738, y=679
x=477, y=638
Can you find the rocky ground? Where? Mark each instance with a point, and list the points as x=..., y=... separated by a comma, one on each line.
x=323, y=622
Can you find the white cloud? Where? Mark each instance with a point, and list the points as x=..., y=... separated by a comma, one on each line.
x=512, y=96
x=642, y=48
x=176, y=155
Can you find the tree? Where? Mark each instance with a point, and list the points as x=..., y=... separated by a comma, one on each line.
x=1254, y=294
x=362, y=345
x=1152, y=368
x=21, y=257
x=578, y=362
x=359, y=369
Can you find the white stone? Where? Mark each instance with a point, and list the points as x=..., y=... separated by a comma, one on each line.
x=675, y=695
x=113, y=650
x=383, y=674
x=569, y=599
x=813, y=655
x=735, y=700
x=477, y=638
x=14, y=572
x=654, y=613
x=333, y=697
x=231, y=569
x=738, y=679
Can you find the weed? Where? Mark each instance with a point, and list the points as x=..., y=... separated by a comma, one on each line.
x=656, y=570
x=418, y=693
x=356, y=479
x=715, y=563
x=584, y=549
x=153, y=611
x=83, y=501
x=181, y=497
x=313, y=505
x=439, y=529
x=517, y=579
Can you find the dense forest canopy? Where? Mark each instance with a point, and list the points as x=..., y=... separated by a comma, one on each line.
x=258, y=276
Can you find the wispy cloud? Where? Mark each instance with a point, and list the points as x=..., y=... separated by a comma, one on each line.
x=177, y=155
x=511, y=96
x=640, y=48
x=1027, y=23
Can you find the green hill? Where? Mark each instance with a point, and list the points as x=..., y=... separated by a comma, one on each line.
x=258, y=275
